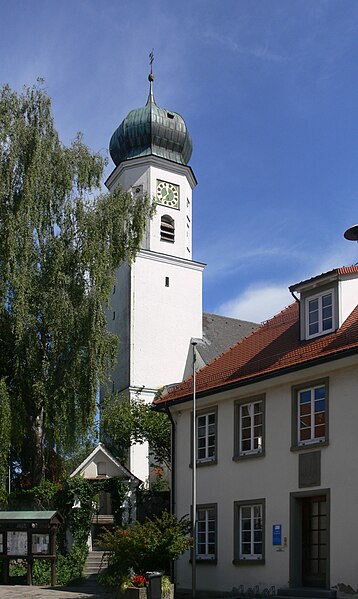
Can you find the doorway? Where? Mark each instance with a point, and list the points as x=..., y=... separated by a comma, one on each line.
x=314, y=541
x=309, y=534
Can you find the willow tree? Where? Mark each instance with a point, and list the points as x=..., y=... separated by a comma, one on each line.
x=61, y=242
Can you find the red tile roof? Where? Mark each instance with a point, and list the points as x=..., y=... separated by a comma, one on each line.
x=272, y=349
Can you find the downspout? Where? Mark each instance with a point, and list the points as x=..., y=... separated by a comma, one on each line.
x=293, y=295
x=172, y=485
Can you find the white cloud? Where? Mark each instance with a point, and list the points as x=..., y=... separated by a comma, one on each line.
x=262, y=300
x=261, y=52
x=258, y=302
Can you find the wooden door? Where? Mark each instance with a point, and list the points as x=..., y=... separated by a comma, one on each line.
x=314, y=541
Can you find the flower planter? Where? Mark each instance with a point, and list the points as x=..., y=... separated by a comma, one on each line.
x=136, y=593
x=169, y=594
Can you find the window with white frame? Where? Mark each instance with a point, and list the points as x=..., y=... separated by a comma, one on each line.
x=249, y=427
x=311, y=414
x=206, y=437
x=206, y=532
x=319, y=314
x=249, y=531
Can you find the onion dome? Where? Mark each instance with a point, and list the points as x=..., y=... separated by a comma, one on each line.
x=151, y=131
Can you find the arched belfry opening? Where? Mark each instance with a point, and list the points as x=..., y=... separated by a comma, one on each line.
x=167, y=228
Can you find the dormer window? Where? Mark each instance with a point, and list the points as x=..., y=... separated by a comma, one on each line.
x=167, y=229
x=326, y=301
x=319, y=314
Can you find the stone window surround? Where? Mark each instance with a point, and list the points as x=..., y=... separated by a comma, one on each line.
x=237, y=427
x=295, y=446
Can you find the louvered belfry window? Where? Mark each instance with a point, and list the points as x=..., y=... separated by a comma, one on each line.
x=167, y=229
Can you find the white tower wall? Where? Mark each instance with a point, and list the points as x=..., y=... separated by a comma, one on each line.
x=156, y=307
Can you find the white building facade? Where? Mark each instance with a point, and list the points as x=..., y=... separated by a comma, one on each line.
x=276, y=446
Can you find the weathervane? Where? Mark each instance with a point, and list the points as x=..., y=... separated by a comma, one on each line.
x=151, y=58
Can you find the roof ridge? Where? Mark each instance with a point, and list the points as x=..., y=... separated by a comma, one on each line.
x=230, y=317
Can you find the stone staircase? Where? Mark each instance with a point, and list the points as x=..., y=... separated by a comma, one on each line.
x=95, y=563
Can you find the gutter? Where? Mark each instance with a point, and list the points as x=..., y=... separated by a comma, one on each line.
x=172, y=486
x=172, y=452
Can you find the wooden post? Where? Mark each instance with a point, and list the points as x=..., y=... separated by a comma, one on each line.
x=29, y=571
x=53, y=554
x=6, y=567
x=53, y=571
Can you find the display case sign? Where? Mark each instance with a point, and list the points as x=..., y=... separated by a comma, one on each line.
x=277, y=534
x=40, y=543
x=17, y=543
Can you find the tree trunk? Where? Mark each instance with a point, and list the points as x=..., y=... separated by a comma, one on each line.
x=37, y=460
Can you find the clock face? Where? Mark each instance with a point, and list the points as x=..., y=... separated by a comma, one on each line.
x=167, y=194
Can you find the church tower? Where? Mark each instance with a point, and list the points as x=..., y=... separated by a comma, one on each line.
x=156, y=306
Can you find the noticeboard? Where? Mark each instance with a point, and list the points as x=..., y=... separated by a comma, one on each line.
x=276, y=534
x=17, y=543
x=40, y=543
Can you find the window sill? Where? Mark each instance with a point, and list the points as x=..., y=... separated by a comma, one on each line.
x=200, y=464
x=308, y=446
x=249, y=456
x=206, y=561
x=249, y=562
x=320, y=334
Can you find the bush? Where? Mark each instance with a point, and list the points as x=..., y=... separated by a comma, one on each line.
x=146, y=547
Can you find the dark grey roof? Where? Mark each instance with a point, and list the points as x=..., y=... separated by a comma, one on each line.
x=220, y=333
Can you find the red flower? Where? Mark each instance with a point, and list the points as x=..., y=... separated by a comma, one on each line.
x=139, y=581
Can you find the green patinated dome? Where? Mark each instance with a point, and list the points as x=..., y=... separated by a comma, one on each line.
x=151, y=131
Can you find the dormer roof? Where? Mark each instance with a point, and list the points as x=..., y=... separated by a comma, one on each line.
x=324, y=278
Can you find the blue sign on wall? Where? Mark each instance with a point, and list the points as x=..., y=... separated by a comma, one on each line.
x=277, y=534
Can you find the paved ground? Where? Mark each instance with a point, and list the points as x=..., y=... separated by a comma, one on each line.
x=88, y=591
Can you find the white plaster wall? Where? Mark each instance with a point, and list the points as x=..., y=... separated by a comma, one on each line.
x=118, y=319
x=155, y=323
x=91, y=469
x=163, y=319
x=348, y=297
x=146, y=172
x=274, y=477
x=139, y=463
x=182, y=245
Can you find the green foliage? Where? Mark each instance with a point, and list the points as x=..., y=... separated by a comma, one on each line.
x=5, y=432
x=68, y=569
x=126, y=421
x=62, y=497
x=60, y=246
x=145, y=547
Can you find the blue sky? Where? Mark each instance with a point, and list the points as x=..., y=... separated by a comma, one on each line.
x=269, y=91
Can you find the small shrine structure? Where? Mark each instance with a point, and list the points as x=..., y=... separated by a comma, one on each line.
x=101, y=465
